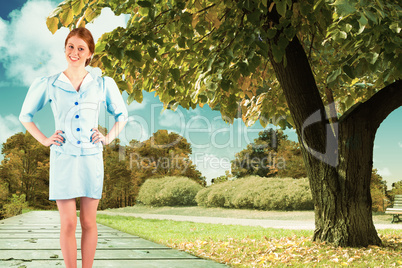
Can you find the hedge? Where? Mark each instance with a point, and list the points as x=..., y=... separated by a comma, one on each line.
x=169, y=191
x=255, y=192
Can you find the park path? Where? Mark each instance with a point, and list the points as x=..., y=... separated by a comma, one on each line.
x=307, y=224
x=32, y=240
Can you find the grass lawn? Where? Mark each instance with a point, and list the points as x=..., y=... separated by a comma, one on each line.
x=245, y=246
x=232, y=213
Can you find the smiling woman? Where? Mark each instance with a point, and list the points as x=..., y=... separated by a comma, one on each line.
x=76, y=162
x=79, y=49
x=79, y=45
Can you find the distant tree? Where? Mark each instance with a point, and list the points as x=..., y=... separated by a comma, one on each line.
x=3, y=197
x=118, y=185
x=396, y=189
x=127, y=167
x=25, y=169
x=378, y=189
x=271, y=154
x=14, y=206
x=164, y=154
x=222, y=178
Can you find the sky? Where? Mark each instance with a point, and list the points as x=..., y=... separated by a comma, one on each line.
x=28, y=50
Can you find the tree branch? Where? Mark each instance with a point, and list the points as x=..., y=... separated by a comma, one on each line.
x=379, y=106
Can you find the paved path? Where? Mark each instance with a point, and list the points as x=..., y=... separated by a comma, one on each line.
x=32, y=240
x=283, y=224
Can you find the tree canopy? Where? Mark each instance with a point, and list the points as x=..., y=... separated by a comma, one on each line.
x=271, y=154
x=217, y=52
x=25, y=169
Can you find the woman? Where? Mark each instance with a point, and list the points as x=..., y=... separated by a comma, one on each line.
x=76, y=165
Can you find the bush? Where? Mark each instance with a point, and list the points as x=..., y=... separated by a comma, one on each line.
x=169, y=191
x=255, y=192
x=202, y=197
x=14, y=206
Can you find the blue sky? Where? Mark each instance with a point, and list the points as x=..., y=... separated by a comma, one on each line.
x=28, y=50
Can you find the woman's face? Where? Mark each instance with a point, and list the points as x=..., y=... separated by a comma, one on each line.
x=77, y=51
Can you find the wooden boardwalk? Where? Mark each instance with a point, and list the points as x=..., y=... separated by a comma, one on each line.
x=32, y=240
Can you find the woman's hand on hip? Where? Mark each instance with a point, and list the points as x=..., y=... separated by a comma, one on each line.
x=97, y=137
x=55, y=139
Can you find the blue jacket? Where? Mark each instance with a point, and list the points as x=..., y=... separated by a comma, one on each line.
x=75, y=113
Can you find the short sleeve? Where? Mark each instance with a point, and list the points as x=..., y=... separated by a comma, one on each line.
x=114, y=101
x=35, y=100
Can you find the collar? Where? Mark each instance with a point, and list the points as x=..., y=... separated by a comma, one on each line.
x=64, y=83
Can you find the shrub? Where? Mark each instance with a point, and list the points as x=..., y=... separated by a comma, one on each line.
x=255, y=192
x=14, y=206
x=169, y=191
x=202, y=197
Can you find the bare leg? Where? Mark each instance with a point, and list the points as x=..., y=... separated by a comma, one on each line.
x=89, y=238
x=68, y=220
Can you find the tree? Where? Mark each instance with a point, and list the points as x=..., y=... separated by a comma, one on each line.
x=378, y=189
x=222, y=178
x=127, y=167
x=3, y=197
x=25, y=169
x=329, y=68
x=396, y=189
x=164, y=154
x=271, y=154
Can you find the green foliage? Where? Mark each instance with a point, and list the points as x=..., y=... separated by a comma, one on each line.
x=25, y=169
x=271, y=154
x=396, y=189
x=378, y=189
x=163, y=154
x=255, y=192
x=128, y=167
x=218, y=52
x=3, y=192
x=3, y=196
x=219, y=179
x=14, y=206
x=169, y=191
x=119, y=186
x=222, y=178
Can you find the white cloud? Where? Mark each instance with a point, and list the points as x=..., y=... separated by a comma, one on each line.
x=384, y=172
x=9, y=125
x=3, y=29
x=210, y=165
x=172, y=119
x=136, y=106
x=29, y=50
x=135, y=129
x=400, y=144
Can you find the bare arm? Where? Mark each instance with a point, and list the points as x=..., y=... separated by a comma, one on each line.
x=39, y=136
x=113, y=133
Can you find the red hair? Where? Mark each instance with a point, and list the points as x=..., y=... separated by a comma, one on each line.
x=85, y=35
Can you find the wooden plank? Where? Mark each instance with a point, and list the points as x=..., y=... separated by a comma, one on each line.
x=41, y=243
x=32, y=240
x=56, y=235
x=101, y=254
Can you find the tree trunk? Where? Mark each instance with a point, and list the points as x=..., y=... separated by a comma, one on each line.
x=342, y=198
x=338, y=155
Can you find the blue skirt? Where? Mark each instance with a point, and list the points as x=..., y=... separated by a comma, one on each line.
x=73, y=176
